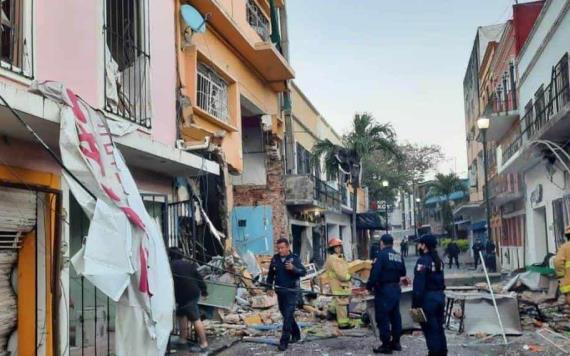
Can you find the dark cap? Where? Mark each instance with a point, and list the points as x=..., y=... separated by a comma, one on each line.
x=429, y=240
x=387, y=239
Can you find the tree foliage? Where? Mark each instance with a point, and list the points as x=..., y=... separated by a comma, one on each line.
x=367, y=137
x=414, y=162
x=443, y=186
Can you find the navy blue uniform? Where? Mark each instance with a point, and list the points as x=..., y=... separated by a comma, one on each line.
x=428, y=295
x=385, y=276
x=286, y=286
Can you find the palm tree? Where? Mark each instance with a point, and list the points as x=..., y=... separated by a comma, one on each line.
x=443, y=186
x=366, y=137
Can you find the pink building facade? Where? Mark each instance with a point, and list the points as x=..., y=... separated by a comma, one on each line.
x=120, y=57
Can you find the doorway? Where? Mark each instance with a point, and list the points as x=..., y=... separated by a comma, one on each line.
x=540, y=233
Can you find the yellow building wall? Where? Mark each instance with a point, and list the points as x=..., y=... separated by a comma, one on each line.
x=27, y=263
x=212, y=50
x=236, y=9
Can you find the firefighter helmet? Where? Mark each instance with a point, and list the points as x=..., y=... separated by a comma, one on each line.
x=334, y=242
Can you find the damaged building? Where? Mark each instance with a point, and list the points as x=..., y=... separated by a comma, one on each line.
x=232, y=76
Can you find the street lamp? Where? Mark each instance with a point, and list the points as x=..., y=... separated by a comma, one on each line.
x=386, y=184
x=483, y=125
x=416, y=206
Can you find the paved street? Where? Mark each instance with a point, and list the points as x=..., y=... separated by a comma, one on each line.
x=412, y=345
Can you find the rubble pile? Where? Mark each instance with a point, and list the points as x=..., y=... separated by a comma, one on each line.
x=242, y=308
x=538, y=300
x=540, y=303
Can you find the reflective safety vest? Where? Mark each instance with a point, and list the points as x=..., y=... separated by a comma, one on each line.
x=336, y=268
x=562, y=267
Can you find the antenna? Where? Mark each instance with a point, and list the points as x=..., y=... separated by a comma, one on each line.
x=193, y=18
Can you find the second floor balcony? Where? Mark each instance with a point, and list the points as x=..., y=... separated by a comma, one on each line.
x=547, y=116
x=247, y=27
x=505, y=188
x=308, y=191
x=502, y=109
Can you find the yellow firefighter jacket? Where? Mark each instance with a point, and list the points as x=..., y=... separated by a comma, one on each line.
x=339, y=278
x=562, y=267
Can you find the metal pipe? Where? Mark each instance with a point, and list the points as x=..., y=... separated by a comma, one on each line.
x=487, y=200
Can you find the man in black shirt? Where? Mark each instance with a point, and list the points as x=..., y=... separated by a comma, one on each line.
x=285, y=271
x=188, y=287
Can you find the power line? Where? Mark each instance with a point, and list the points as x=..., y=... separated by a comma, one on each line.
x=45, y=146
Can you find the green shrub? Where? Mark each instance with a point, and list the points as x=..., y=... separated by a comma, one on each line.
x=463, y=244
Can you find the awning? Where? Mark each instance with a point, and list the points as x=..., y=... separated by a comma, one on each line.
x=440, y=199
x=370, y=221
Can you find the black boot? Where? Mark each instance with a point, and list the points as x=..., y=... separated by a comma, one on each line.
x=383, y=349
x=396, y=346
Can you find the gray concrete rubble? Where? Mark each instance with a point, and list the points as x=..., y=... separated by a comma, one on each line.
x=242, y=319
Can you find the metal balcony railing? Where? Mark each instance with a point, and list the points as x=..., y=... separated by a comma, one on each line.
x=512, y=149
x=501, y=103
x=548, y=102
x=327, y=195
x=257, y=20
x=504, y=184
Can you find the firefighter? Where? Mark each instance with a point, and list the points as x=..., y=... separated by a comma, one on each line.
x=429, y=284
x=562, y=266
x=387, y=272
x=336, y=268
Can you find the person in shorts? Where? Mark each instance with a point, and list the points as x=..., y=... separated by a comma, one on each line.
x=188, y=287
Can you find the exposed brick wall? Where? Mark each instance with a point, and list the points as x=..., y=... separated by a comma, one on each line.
x=273, y=193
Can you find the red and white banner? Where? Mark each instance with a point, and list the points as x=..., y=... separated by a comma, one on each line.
x=124, y=254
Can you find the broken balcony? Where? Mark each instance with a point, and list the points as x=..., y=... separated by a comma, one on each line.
x=308, y=191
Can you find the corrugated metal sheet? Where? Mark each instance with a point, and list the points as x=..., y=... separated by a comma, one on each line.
x=17, y=215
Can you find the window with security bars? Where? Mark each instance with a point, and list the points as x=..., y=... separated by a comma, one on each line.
x=127, y=60
x=304, y=165
x=257, y=20
x=16, y=37
x=562, y=82
x=212, y=93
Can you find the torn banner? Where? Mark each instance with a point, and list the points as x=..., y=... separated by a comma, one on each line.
x=124, y=254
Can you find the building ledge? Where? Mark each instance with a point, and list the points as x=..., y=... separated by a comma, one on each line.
x=138, y=148
x=501, y=124
x=213, y=120
x=263, y=56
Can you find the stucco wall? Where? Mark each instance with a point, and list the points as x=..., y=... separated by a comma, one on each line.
x=69, y=48
x=538, y=56
x=536, y=246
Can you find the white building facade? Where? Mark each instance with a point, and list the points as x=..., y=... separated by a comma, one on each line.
x=540, y=152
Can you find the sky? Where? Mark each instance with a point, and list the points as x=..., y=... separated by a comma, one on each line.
x=402, y=61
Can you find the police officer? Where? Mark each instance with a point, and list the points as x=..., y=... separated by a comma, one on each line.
x=387, y=271
x=428, y=295
x=477, y=246
x=285, y=270
x=404, y=247
x=336, y=268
